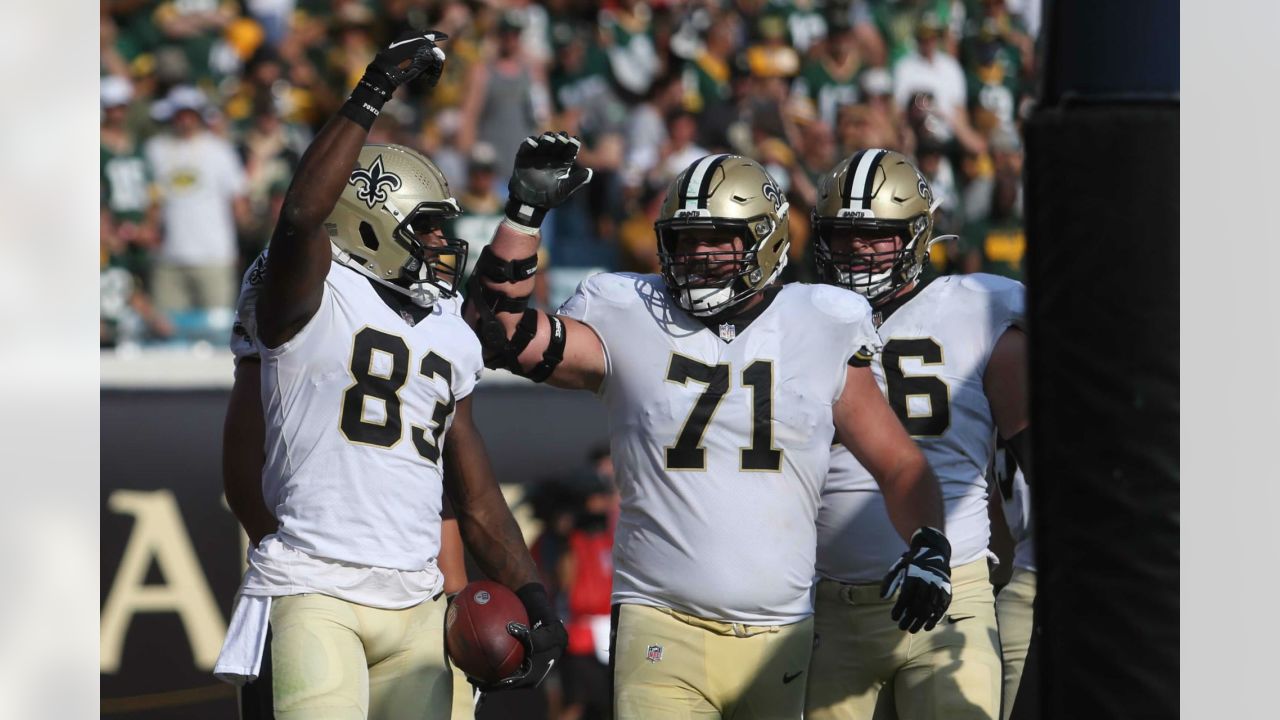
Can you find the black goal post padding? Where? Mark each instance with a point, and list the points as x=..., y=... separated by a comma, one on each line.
x=1102, y=279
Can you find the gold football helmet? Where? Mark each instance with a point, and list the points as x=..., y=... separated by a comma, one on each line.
x=394, y=198
x=735, y=196
x=873, y=194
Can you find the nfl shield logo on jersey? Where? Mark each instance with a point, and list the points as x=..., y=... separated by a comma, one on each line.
x=653, y=654
x=727, y=333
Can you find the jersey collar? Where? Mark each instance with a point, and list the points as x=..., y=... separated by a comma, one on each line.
x=730, y=325
x=882, y=312
x=411, y=312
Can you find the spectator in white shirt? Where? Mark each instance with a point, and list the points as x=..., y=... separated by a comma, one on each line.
x=202, y=200
x=646, y=129
x=931, y=70
x=681, y=149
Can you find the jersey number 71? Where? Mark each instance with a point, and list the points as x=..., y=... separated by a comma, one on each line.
x=688, y=453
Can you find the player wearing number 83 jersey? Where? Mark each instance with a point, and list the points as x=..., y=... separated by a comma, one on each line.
x=366, y=376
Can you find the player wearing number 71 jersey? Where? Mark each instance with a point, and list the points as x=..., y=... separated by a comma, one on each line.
x=723, y=392
x=953, y=368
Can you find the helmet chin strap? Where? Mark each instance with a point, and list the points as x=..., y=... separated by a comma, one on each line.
x=708, y=301
x=421, y=293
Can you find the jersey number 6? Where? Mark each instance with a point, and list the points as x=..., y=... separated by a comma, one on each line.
x=688, y=453
x=901, y=386
x=384, y=384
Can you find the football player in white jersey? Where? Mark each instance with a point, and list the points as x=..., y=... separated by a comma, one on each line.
x=358, y=351
x=953, y=368
x=723, y=391
x=243, y=440
x=1015, y=601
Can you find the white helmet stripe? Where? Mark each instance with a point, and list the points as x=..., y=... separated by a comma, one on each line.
x=693, y=184
x=867, y=163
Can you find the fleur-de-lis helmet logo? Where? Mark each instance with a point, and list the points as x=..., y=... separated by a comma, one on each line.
x=772, y=193
x=373, y=184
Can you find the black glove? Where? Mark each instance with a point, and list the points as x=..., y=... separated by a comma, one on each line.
x=544, y=640
x=545, y=176
x=412, y=54
x=923, y=574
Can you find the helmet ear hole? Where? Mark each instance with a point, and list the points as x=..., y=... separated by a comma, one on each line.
x=368, y=236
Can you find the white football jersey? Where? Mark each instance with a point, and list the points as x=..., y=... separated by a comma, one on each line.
x=1016, y=496
x=244, y=330
x=720, y=447
x=936, y=347
x=357, y=405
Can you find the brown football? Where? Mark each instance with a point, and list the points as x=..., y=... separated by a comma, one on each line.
x=475, y=631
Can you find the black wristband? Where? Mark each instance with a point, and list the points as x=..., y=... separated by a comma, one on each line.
x=523, y=214
x=536, y=602
x=366, y=101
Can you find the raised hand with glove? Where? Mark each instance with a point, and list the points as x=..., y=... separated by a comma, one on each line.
x=922, y=579
x=546, y=174
x=412, y=54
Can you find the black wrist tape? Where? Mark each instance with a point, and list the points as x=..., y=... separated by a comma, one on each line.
x=365, y=103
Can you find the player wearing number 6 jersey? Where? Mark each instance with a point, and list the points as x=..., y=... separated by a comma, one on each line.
x=953, y=368
x=367, y=370
x=723, y=392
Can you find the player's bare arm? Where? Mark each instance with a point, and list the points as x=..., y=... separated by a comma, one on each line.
x=451, y=562
x=491, y=533
x=242, y=453
x=1005, y=382
x=485, y=521
x=922, y=576
x=529, y=342
x=300, y=251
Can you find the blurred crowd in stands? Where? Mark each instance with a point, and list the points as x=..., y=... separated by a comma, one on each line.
x=207, y=106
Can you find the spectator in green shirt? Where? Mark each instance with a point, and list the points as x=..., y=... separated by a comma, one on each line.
x=128, y=195
x=830, y=78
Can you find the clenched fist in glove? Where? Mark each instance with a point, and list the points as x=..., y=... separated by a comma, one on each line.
x=545, y=175
x=922, y=577
x=412, y=54
x=544, y=640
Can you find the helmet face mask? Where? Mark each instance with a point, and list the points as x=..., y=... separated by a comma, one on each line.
x=385, y=224
x=722, y=234
x=872, y=196
x=856, y=255
x=709, y=281
x=433, y=259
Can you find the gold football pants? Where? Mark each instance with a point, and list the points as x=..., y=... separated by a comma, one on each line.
x=668, y=664
x=336, y=660
x=952, y=672
x=1013, y=610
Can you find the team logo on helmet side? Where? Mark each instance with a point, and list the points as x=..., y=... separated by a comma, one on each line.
x=373, y=184
x=772, y=192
